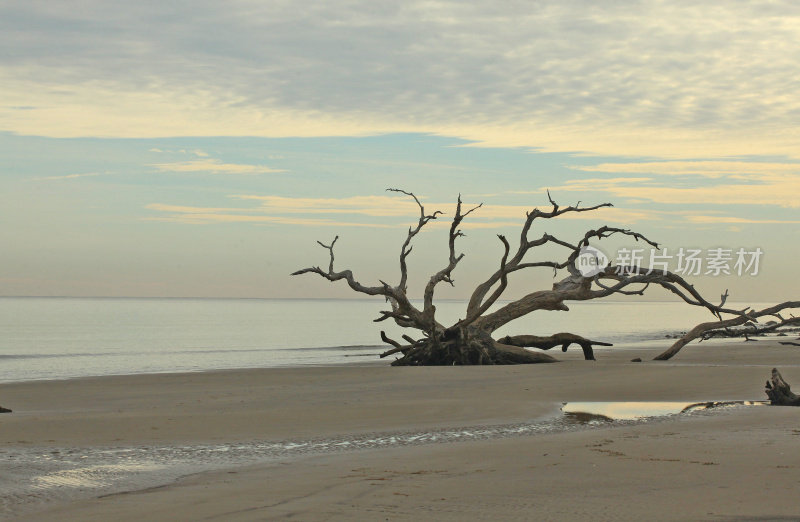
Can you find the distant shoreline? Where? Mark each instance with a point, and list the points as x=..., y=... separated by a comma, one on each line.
x=647, y=349
x=354, y=299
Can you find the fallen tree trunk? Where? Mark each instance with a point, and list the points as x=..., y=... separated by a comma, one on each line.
x=779, y=392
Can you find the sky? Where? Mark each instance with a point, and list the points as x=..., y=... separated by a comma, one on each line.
x=200, y=149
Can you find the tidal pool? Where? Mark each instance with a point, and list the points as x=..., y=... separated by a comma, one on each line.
x=587, y=412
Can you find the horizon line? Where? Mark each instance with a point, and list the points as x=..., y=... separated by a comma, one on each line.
x=365, y=299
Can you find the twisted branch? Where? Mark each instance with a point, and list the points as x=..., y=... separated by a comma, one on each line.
x=741, y=317
x=347, y=275
x=453, y=260
x=405, y=250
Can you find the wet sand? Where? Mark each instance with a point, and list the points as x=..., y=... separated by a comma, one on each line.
x=738, y=463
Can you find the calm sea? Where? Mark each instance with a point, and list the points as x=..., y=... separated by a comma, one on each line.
x=57, y=338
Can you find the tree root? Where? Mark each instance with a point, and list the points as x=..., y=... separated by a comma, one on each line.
x=457, y=352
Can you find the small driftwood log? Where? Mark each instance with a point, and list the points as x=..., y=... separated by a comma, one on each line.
x=779, y=392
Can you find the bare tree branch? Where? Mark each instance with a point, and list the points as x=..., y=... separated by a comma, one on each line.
x=453, y=260
x=388, y=340
x=667, y=280
x=347, y=275
x=525, y=245
x=406, y=248
x=473, y=315
x=739, y=319
x=560, y=339
x=579, y=288
x=619, y=288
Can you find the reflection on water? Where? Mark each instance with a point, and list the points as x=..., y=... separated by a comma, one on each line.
x=721, y=404
x=90, y=476
x=582, y=417
x=598, y=412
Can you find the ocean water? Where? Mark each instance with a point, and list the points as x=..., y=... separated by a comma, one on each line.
x=57, y=338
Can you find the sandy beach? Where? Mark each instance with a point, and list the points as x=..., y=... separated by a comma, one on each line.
x=736, y=464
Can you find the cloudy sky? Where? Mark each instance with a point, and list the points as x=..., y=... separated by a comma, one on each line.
x=201, y=148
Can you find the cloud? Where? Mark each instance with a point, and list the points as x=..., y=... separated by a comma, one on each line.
x=377, y=211
x=586, y=184
x=736, y=219
x=209, y=215
x=729, y=183
x=71, y=176
x=200, y=218
x=361, y=205
x=711, y=169
x=398, y=206
x=213, y=166
x=195, y=152
x=656, y=78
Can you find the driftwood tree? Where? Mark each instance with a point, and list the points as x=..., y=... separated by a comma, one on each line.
x=470, y=340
